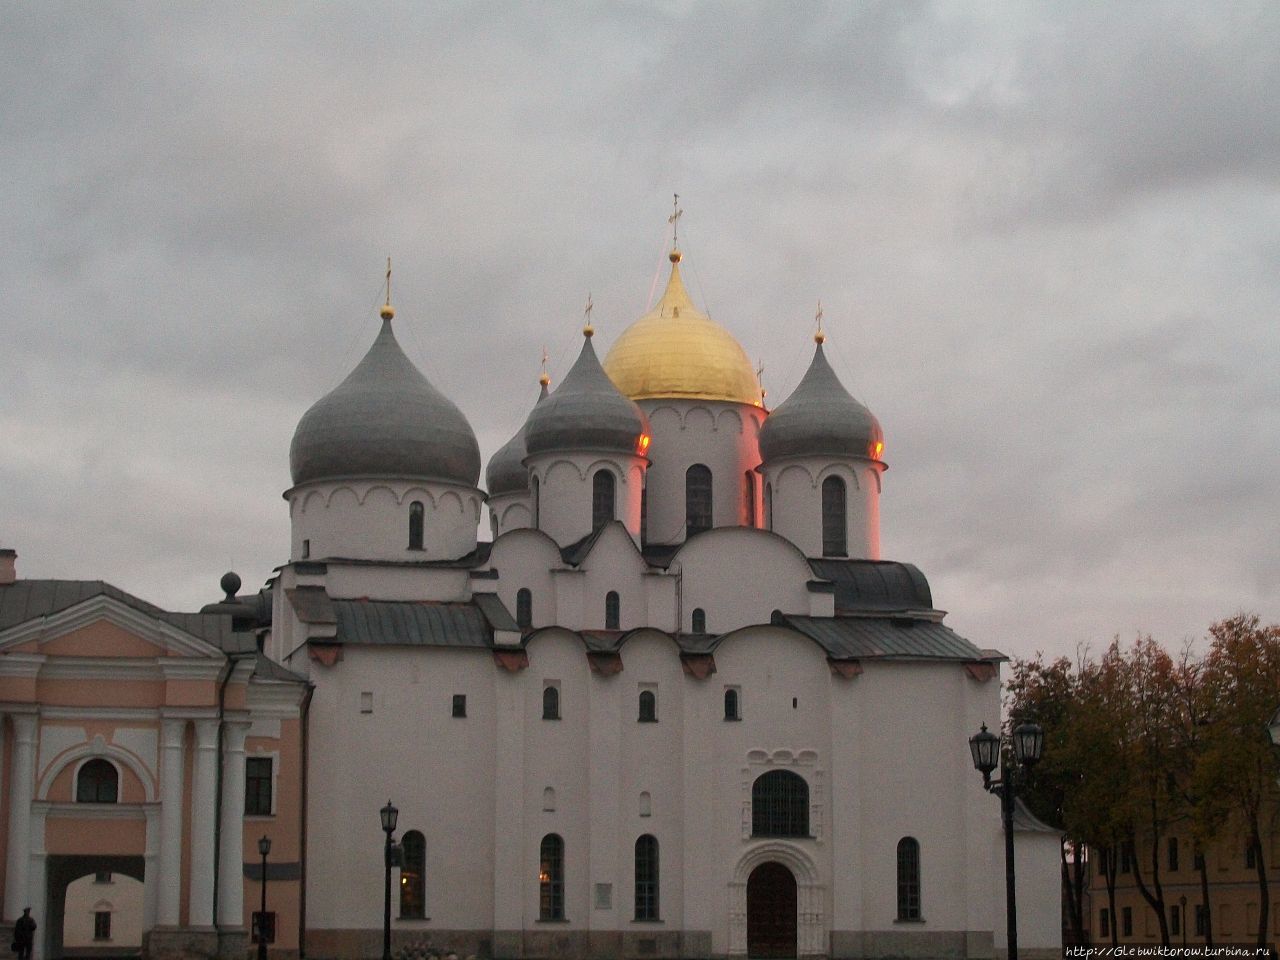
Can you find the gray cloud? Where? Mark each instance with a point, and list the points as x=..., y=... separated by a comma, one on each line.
x=1044, y=238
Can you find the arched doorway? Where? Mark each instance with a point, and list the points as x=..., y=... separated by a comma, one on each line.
x=771, y=911
x=63, y=871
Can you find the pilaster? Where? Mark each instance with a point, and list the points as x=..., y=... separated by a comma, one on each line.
x=21, y=789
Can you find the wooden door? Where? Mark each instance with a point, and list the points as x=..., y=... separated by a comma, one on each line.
x=771, y=912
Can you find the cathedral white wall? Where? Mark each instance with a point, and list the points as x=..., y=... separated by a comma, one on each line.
x=884, y=753
x=739, y=576
x=524, y=558
x=510, y=511
x=439, y=771
x=797, y=503
x=369, y=520
x=721, y=436
x=565, y=480
x=1037, y=869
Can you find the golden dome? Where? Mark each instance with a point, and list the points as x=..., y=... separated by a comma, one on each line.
x=676, y=350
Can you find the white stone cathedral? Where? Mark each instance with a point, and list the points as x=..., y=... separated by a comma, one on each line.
x=678, y=707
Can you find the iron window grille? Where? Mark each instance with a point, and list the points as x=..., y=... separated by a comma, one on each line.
x=780, y=805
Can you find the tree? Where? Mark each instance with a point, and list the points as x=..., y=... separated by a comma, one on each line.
x=1236, y=770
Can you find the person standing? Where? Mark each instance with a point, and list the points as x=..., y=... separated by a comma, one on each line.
x=24, y=934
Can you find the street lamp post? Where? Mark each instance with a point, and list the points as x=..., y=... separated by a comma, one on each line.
x=389, y=815
x=264, y=847
x=1028, y=744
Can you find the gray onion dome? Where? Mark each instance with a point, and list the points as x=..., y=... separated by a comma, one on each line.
x=821, y=419
x=385, y=420
x=586, y=412
x=506, y=472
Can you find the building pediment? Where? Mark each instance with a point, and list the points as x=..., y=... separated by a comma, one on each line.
x=102, y=626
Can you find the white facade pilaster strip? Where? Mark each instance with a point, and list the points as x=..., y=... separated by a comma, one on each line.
x=203, y=824
x=173, y=735
x=231, y=850
x=21, y=790
x=150, y=868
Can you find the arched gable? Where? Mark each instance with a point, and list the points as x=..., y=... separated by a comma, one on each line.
x=57, y=781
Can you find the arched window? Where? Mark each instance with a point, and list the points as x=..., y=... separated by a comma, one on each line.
x=551, y=878
x=697, y=500
x=648, y=707
x=732, y=711
x=908, y=879
x=834, y=528
x=549, y=800
x=749, y=499
x=524, y=608
x=780, y=805
x=415, y=525
x=550, y=703
x=413, y=874
x=98, y=782
x=647, y=877
x=699, y=620
x=602, y=499
x=536, y=487
x=612, y=611
x=768, y=506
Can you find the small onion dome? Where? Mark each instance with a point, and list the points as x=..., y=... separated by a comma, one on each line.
x=677, y=351
x=385, y=420
x=586, y=412
x=506, y=472
x=821, y=419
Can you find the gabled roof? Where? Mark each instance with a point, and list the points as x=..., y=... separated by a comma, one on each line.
x=26, y=600
x=882, y=638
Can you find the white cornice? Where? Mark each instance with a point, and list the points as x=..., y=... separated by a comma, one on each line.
x=21, y=664
x=97, y=713
x=100, y=668
x=103, y=607
x=98, y=811
x=181, y=668
x=275, y=699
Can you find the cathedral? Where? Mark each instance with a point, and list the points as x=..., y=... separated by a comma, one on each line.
x=675, y=706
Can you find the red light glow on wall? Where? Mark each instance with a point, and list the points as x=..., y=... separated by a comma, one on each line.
x=877, y=449
x=642, y=445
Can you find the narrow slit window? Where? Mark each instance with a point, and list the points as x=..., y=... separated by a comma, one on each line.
x=908, y=879
x=732, y=706
x=648, y=707
x=647, y=877
x=550, y=703
x=524, y=608
x=413, y=870
x=551, y=878
x=834, y=527
x=699, y=619
x=697, y=499
x=416, y=515
x=612, y=611
x=602, y=499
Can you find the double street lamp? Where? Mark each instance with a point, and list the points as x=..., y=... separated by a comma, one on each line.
x=264, y=847
x=389, y=815
x=1028, y=744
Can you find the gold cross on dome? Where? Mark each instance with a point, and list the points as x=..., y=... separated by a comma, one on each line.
x=590, y=306
x=388, y=280
x=674, y=220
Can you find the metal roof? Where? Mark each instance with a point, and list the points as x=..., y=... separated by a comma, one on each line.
x=385, y=420
x=26, y=600
x=585, y=412
x=871, y=585
x=884, y=638
x=820, y=418
x=506, y=472
x=411, y=623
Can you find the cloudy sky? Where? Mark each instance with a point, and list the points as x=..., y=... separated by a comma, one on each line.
x=1044, y=236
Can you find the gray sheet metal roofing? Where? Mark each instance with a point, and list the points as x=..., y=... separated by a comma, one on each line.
x=884, y=638
x=26, y=600
x=396, y=622
x=866, y=585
